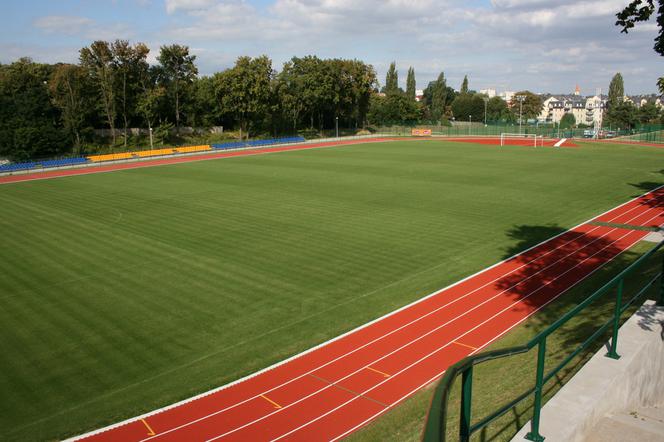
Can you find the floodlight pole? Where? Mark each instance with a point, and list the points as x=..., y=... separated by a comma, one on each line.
x=486, y=103
x=521, y=99
x=336, y=125
x=470, y=125
x=151, y=143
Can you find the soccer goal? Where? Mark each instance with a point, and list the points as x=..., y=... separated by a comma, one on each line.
x=507, y=139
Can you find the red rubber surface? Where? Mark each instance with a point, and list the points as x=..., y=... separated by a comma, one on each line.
x=334, y=389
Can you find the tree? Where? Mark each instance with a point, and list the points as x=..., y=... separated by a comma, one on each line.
x=464, y=85
x=649, y=113
x=467, y=107
x=532, y=105
x=641, y=11
x=567, y=121
x=178, y=70
x=392, y=79
x=67, y=87
x=616, y=97
x=496, y=109
x=616, y=90
x=130, y=63
x=393, y=109
x=245, y=90
x=28, y=120
x=624, y=115
x=151, y=98
x=410, y=84
x=437, y=97
x=97, y=59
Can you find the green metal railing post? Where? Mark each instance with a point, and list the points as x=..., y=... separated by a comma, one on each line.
x=534, y=434
x=616, y=322
x=466, y=404
x=660, y=298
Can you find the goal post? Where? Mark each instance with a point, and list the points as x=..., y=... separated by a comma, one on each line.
x=512, y=139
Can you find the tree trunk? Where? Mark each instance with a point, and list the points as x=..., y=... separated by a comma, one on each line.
x=177, y=108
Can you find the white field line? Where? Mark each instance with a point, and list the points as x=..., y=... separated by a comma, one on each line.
x=410, y=323
x=257, y=151
x=424, y=298
x=442, y=347
x=481, y=347
x=439, y=327
x=560, y=143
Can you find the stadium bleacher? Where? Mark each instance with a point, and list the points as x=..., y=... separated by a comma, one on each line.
x=14, y=167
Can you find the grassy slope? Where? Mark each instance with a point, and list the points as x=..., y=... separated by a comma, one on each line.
x=125, y=291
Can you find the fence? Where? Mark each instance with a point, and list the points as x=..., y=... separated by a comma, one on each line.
x=436, y=427
x=645, y=133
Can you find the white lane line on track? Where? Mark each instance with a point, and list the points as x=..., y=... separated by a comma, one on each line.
x=443, y=325
x=650, y=196
x=441, y=348
x=187, y=424
x=480, y=348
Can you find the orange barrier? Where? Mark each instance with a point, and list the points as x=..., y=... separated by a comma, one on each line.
x=421, y=132
x=153, y=153
x=111, y=156
x=189, y=149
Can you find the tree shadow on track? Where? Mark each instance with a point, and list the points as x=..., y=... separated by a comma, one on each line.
x=648, y=186
x=544, y=273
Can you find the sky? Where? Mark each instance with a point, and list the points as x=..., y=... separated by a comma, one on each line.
x=539, y=45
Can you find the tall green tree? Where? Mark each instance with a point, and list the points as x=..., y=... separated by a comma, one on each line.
x=468, y=107
x=464, y=85
x=97, y=59
x=29, y=123
x=69, y=93
x=392, y=79
x=410, y=83
x=245, y=90
x=178, y=70
x=614, y=115
x=496, y=109
x=438, y=97
x=131, y=66
x=616, y=90
x=531, y=107
x=151, y=98
x=567, y=121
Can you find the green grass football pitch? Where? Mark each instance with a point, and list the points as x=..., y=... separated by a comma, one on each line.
x=122, y=292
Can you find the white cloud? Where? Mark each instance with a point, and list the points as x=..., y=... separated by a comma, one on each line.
x=63, y=24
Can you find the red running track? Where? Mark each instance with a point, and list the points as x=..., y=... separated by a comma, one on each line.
x=330, y=391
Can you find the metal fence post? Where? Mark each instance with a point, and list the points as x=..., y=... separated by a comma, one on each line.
x=616, y=322
x=466, y=404
x=660, y=299
x=534, y=434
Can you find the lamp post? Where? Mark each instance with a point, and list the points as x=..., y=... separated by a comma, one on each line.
x=521, y=99
x=486, y=103
x=151, y=143
x=336, y=125
x=470, y=124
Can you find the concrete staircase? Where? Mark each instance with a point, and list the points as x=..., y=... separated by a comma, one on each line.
x=643, y=424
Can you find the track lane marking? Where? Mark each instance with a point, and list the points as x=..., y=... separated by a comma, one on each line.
x=348, y=390
x=379, y=372
x=437, y=328
x=426, y=315
x=151, y=432
x=449, y=343
x=464, y=345
x=274, y=404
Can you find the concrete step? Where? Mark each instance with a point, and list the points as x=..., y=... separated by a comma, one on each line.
x=643, y=424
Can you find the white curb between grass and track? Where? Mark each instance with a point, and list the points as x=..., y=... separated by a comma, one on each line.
x=271, y=367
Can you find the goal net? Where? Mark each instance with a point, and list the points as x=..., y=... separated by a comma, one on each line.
x=507, y=139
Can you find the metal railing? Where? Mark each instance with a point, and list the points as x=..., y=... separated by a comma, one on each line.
x=436, y=425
